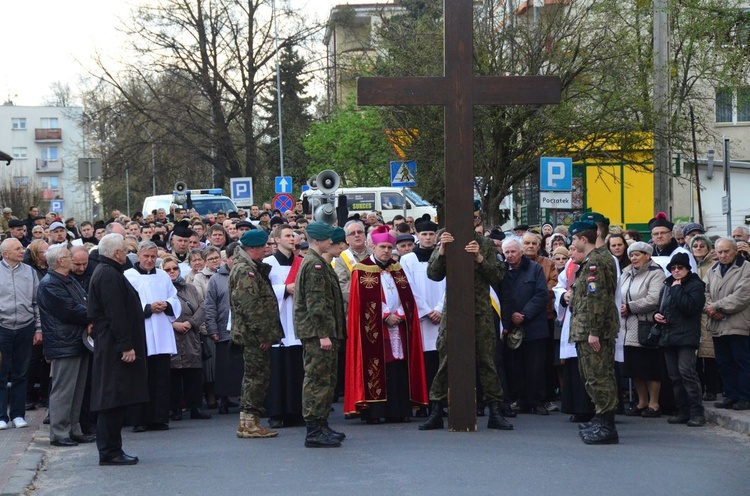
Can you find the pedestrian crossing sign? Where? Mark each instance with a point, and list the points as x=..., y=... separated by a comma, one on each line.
x=404, y=174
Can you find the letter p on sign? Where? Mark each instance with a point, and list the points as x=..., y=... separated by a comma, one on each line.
x=556, y=174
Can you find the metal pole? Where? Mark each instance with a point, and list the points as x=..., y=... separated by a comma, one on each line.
x=278, y=87
x=728, y=187
x=127, y=188
x=403, y=193
x=153, y=170
x=91, y=193
x=695, y=169
x=662, y=176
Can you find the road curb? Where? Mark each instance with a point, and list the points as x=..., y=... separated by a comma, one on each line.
x=733, y=420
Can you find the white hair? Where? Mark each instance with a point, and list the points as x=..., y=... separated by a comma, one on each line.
x=512, y=239
x=54, y=253
x=110, y=243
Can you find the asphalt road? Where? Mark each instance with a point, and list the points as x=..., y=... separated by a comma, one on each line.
x=543, y=456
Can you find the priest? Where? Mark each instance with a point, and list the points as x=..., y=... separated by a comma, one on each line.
x=385, y=375
x=284, y=400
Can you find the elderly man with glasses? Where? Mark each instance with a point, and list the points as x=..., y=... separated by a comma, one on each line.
x=665, y=246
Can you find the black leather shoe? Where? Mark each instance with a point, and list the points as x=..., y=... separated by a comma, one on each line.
x=120, y=460
x=64, y=443
x=159, y=426
x=725, y=403
x=198, y=414
x=176, y=416
x=83, y=439
x=140, y=428
x=539, y=410
x=741, y=405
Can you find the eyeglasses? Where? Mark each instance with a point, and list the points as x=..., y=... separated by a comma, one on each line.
x=213, y=259
x=677, y=267
x=172, y=269
x=355, y=233
x=660, y=233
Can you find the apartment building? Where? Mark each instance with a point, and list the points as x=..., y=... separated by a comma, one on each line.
x=45, y=143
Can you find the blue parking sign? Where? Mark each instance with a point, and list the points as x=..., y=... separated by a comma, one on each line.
x=242, y=189
x=556, y=174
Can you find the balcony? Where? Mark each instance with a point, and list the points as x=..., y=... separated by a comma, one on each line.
x=51, y=135
x=43, y=165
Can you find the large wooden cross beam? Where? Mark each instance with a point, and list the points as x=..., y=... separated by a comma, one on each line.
x=458, y=91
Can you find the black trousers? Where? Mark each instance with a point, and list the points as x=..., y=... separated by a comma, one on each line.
x=187, y=384
x=109, y=425
x=530, y=373
x=156, y=411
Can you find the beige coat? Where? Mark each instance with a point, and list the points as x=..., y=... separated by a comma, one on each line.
x=706, y=348
x=730, y=295
x=640, y=293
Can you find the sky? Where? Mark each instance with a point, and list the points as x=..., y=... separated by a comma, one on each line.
x=46, y=41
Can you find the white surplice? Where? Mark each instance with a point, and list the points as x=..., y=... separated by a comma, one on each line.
x=152, y=288
x=429, y=295
x=278, y=276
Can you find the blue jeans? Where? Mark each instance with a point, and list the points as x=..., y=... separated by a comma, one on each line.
x=15, y=346
x=733, y=359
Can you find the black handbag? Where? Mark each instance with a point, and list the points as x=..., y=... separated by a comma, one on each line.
x=649, y=333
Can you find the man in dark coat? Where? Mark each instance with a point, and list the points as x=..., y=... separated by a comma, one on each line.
x=119, y=371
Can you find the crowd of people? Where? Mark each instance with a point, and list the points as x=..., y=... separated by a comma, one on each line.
x=157, y=318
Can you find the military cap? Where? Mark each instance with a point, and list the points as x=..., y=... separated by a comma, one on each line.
x=594, y=217
x=254, y=238
x=15, y=223
x=319, y=231
x=338, y=235
x=581, y=226
x=513, y=338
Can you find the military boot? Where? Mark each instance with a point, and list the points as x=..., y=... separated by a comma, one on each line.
x=496, y=419
x=338, y=436
x=605, y=433
x=586, y=427
x=316, y=438
x=242, y=429
x=255, y=429
x=435, y=420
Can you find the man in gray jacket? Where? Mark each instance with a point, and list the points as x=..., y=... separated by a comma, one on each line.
x=20, y=327
x=728, y=310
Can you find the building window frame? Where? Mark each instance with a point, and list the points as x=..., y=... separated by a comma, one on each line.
x=18, y=123
x=20, y=153
x=732, y=105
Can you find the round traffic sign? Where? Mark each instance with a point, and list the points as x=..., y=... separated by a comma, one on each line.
x=283, y=202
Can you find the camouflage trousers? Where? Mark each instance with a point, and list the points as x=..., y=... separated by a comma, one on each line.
x=255, y=380
x=486, y=342
x=320, y=378
x=598, y=373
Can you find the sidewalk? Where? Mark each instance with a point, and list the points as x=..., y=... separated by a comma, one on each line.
x=21, y=455
x=733, y=420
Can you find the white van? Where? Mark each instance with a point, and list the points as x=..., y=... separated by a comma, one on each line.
x=204, y=201
x=387, y=200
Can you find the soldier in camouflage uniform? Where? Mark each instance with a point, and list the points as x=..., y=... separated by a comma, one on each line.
x=320, y=323
x=593, y=327
x=487, y=270
x=255, y=326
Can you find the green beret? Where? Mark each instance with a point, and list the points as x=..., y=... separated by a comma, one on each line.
x=594, y=217
x=319, y=231
x=580, y=226
x=254, y=237
x=338, y=235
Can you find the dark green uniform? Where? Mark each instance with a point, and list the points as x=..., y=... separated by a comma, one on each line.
x=255, y=320
x=593, y=312
x=490, y=271
x=318, y=313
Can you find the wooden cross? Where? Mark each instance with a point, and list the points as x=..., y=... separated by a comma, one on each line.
x=458, y=91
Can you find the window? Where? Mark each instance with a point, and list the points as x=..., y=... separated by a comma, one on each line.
x=20, y=181
x=19, y=152
x=49, y=123
x=360, y=201
x=50, y=182
x=733, y=105
x=18, y=123
x=391, y=201
x=51, y=153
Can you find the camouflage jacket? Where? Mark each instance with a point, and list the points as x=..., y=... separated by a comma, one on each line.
x=592, y=301
x=318, y=303
x=255, y=312
x=490, y=272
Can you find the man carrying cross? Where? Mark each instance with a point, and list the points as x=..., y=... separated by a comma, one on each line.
x=458, y=91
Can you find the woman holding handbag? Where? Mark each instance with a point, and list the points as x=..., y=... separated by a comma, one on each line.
x=640, y=283
x=680, y=315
